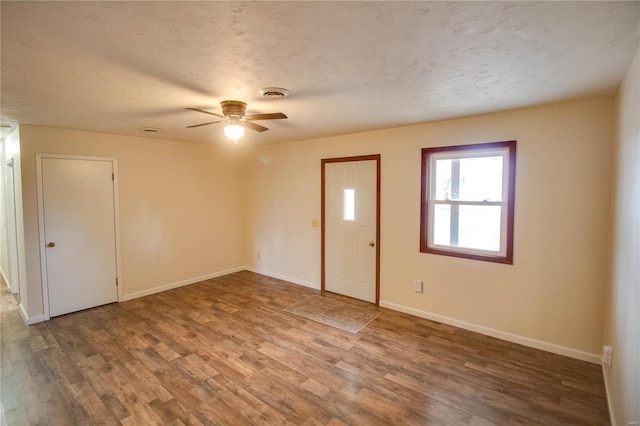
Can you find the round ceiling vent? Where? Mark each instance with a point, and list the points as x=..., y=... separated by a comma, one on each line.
x=274, y=92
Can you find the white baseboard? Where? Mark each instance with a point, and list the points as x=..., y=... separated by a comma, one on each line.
x=4, y=279
x=171, y=286
x=30, y=320
x=304, y=283
x=526, y=341
x=7, y=283
x=23, y=314
x=612, y=418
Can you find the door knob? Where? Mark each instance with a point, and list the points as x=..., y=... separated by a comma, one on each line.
x=51, y=244
x=371, y=244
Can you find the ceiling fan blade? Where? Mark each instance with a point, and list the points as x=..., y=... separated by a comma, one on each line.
x=254, y=126
x=205, y=112
x=203, y=124
x=272, y=116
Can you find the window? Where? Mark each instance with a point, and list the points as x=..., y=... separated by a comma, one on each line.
x=467, y=201
x=349, y=207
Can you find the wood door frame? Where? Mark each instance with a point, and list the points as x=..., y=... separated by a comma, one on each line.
x=42, y=240
x=323, y=163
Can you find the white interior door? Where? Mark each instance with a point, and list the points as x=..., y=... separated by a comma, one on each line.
x=79, y=230
x=350, y=228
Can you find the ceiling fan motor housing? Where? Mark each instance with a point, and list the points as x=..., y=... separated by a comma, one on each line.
x=233, y=108
x=234, y=114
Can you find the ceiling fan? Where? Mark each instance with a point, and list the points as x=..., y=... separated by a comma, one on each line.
x=235, y=118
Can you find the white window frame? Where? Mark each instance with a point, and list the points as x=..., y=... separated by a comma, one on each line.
x=430, y=156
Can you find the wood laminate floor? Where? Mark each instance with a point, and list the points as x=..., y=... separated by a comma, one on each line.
x=223, y=352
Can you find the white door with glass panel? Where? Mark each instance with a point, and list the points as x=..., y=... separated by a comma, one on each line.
x=350, y=228
x=79, y=233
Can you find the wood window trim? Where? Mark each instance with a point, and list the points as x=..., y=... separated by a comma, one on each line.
x=510, y=208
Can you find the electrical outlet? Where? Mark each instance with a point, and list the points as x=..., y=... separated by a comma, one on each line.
x=607, y=355
x=417, y=286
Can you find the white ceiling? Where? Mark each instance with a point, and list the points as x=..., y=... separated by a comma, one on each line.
x=117, y=67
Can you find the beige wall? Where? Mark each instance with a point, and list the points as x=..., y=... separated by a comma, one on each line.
x=622, y=321
x=551, y=297
x=190, y=211
x=181, y=207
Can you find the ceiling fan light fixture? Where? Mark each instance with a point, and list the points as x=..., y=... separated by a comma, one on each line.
x=235, y=119
x=234, y=131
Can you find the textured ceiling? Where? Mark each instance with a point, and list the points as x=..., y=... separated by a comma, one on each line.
x=117, y=67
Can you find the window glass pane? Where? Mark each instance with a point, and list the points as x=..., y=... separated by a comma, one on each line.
x=481, y=179
x=443, y=180
x=442, y=225
x=480, y=227
x=469, y=179
x=349, y=210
